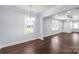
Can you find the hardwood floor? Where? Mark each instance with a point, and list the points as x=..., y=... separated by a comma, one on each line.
x=62, y=43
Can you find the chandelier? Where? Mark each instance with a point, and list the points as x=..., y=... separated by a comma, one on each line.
x=30, y=17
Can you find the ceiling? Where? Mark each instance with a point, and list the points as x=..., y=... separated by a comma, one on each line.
x=64, y=15
x=35, y=8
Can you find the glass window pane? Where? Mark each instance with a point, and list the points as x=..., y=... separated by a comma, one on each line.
x=75, y=25
x=29, y=24
x=55, y=25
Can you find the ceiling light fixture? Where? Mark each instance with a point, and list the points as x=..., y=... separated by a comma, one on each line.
x=68, y=11
x=30, y=17
x=30, y=10
x=69, y=14
x=56, y=15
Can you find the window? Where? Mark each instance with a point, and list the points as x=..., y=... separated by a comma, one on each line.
x=29, y=25
x=55, y=25
x=75, y=25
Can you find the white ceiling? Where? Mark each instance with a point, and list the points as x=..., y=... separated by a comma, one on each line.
x=64, y=15
x=35, y=8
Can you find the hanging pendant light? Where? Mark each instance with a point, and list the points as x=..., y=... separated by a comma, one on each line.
x=30, y=10
x=69, y=15
x=31, y=18
x=29, y=21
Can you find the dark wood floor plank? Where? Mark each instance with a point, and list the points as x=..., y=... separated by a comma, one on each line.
x=54, y=44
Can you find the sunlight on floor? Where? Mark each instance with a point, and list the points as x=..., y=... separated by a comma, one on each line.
x=55, y=43
x=75, y=39
x=29, y=50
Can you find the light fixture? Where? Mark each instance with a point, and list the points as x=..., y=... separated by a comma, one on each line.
x=69, y=14
x=56, y=15
x=30, y=10
x=68, y=11
x=30, y=17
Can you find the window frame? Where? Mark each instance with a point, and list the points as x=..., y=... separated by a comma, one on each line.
x=75, y=24
x=30, y=23
x=58, y=25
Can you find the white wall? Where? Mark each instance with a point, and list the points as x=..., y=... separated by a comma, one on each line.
x=47, y=26
x=66, y=26
x=12, y=26
x=61, y=8
x=47, y=21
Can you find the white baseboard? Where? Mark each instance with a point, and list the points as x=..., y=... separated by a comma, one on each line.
x=24, y=40
x=51, y=34
x=18, y=42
